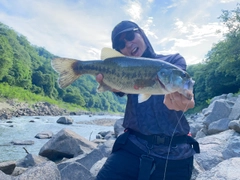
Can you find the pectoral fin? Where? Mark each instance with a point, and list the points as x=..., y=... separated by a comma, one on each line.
x=143, y=97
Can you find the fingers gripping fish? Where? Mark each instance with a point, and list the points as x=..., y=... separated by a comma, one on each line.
x=131, y=75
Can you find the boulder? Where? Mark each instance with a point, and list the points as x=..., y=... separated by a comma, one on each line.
x=65, y=120
x=97, y=166
x=228, y=169
x=235, y=125
x=44, y=135
x=66, y=143
x=235, y=113
x=231, y=148
x=212, y=148
x=75, y=171
x=217, y=110
x=30, y=160
x=118, y=128
x=4, y=176
x=47, y=170
x=218, y=126
x=7, y=167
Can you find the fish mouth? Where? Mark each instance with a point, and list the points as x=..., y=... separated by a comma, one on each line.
x=162, y=85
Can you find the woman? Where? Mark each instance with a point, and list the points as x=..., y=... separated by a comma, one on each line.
x=155, y=144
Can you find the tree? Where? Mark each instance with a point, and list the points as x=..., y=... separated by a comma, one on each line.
x=6, y=56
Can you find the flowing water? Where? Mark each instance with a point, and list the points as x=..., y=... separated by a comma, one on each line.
x=22, y=129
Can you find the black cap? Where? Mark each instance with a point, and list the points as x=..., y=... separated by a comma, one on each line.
x=123, y=26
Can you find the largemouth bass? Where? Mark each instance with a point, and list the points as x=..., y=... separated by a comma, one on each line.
x=131, y=75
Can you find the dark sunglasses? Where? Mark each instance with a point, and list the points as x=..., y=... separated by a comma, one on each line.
x=129, y=36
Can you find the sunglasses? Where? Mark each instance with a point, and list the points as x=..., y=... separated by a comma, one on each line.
x=128, y=36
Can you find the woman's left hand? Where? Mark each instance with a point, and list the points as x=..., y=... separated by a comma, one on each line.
x=176, y=101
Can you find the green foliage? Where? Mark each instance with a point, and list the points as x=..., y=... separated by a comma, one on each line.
x=28, y=69
x=6, y=56
x=219, y=74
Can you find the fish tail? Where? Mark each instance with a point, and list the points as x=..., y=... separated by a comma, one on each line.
x=65, y=68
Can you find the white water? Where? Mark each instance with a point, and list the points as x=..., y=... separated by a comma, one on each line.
x=24, y=130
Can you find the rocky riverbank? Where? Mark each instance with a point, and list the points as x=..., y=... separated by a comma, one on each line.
x=217, y=129
x=12, y=108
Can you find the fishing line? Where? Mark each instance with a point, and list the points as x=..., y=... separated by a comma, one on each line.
x=170, y=143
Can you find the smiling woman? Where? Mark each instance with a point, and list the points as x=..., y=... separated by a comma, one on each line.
x=155, y=143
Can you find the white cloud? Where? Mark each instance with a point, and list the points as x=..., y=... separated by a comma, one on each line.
x=226, y=1
x=79, y=29
x=133, y=9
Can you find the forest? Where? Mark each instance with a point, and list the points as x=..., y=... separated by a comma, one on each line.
x=219, y=73
x=26, y=72
x=26, y=68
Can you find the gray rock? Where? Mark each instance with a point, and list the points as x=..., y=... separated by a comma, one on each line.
x=4, y=176
x=219, y=109
x=44, y=135
x=18, y=171
x=22, y=142
x=218, y=126
x=118, y=128
x=195, y=127
x=30, y=160
x=44, y=171
x=200, y=134
x=106, y=148
x=65, y=120
x=109, y=135
x=212, y=148
x=226, y=170
x=196, y=170
x=235, y=113
x=86, y=160
x=103, y=133
x=232, y=147
x=7, y=167
x=97, y=166
x=66, y=143
x=235, y=125
x=75, y=171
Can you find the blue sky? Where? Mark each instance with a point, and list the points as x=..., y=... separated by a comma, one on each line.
x=81, y=28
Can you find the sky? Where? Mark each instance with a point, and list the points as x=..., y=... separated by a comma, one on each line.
x=81, y=28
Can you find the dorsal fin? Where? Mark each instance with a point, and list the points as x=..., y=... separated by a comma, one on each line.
x=110, y=53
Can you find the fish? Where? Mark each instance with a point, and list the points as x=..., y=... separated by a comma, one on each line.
x=127, y=74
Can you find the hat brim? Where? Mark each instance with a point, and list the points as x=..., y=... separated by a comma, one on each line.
x=125, y=30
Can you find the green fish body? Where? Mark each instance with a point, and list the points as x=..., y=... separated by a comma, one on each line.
x=131, y=75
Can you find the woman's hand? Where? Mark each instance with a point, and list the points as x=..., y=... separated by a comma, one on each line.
x=99, y=78
x=176, y=101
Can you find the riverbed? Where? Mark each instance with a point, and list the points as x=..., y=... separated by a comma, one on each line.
x=25, y=128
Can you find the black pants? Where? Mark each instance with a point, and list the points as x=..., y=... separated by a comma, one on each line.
x=124, y=165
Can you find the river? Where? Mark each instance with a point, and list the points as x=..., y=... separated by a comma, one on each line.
x=22, y=129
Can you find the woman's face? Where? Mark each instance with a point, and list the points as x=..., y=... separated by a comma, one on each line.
x=135, y=47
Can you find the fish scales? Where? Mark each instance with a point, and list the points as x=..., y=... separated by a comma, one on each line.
x=129, y=72
x=133, y=75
